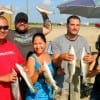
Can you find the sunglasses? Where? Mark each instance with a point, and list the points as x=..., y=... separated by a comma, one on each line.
x=4, y=27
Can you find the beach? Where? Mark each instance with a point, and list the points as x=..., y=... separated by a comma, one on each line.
x=89, y=32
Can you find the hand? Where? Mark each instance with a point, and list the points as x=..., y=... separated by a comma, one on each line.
x=88, y=58
x=26, y=69
x=11, y=77
x=68, y=57
x=41, y=69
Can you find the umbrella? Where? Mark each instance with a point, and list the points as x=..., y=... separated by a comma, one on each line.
x=5, y=10
x=84, y=8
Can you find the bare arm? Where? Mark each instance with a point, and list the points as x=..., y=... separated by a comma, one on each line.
x=31, y=71
x=92, y=71
x=47, y=26
x=30, y=65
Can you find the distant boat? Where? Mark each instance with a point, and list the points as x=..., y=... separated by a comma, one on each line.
x=97, y=25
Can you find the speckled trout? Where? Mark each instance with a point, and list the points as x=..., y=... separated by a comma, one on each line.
x=71, y=64
x=26, y=78
x=84, y=66
x=15, y=88
x=48, y=76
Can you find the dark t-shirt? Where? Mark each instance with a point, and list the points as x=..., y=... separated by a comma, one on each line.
x=23, y=41
x=97, y=83
x=97, y=78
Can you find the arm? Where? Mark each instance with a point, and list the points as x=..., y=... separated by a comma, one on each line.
x=30, y=65
x=47, y=27
x=11, y=77
x=92, y=71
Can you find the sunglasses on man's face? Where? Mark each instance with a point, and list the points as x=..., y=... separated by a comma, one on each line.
x=4, y=27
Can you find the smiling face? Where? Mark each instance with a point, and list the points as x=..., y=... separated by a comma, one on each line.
x=39, y=45
x=3, y=28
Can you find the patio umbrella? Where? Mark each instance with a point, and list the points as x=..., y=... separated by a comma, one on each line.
x=84, y=8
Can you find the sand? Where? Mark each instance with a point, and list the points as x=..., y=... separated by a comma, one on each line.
x=89, y=32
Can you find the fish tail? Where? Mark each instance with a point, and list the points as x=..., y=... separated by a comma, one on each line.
x=34, y=90
x=85, y=81
x=57, y=92
x=69, y=79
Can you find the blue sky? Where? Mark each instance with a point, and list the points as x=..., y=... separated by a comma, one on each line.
x=34, y=15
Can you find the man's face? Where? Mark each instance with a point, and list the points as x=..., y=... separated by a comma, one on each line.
x=73, y=26
x=21, y=26
x=3, y=28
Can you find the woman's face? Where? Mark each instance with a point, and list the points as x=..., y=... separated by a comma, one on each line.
x=39, y=45
x=3, y=28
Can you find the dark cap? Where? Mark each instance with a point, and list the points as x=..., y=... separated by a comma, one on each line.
x=21, y=17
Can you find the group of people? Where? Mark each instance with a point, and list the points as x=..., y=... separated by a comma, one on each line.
x=28, y=48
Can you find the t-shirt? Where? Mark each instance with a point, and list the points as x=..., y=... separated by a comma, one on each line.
x=9, y=56
x=61, y=45
x=97, y=78
x=24, y=41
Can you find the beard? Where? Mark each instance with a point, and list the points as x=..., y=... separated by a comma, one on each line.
x=21, y=31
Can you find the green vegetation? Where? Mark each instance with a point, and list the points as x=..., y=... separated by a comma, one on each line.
x=35, y=25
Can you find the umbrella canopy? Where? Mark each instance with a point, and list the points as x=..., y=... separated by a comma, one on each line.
x=85, y=8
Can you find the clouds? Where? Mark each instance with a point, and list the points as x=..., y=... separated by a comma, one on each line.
x=68, y=0
x=46, y=2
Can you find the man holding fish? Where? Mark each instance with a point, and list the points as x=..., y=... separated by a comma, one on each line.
x=22, y=35
x=67, y=51
x=40, y=70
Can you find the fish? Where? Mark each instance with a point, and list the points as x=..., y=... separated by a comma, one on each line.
x=26, y=78
x=15, y=88
x=5, y=10
x=71, y=64
x=49, y=78
x=44, y=10
x=84, y=66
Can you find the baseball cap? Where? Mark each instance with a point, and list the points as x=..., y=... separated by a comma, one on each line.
x=21, y=17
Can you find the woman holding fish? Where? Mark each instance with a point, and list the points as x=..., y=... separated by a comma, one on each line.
x=36, y=69
x=9, y=56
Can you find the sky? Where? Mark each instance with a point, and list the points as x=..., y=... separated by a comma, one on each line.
x=33, y=14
